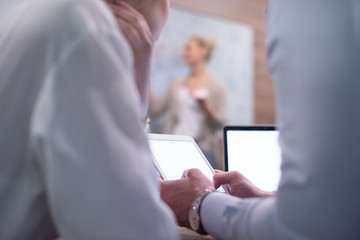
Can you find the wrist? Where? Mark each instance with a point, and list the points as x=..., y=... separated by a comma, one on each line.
x=194, y=213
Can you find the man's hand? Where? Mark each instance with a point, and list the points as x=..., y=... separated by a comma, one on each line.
x=180, y=194
x=238, y=185
x=135, y=28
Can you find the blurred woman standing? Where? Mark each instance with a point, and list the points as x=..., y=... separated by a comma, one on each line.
x=196, y=103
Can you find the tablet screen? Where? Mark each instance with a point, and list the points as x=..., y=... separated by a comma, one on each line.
x=174, y=157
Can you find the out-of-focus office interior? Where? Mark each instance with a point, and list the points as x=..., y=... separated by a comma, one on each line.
x=133, y=119
x=235, y=31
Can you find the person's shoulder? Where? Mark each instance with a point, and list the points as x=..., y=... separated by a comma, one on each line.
x=60, y=20
x=73, y=15
x=66, y=8
x=65, y=23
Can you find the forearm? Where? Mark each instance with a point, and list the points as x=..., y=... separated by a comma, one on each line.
x=228, y=218
x=208, y=110
x=211, y=113
x=136, y=30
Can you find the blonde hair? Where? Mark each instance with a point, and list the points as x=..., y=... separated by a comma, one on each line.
x=208, y=43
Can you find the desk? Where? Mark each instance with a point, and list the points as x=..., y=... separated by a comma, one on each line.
x=187, y=234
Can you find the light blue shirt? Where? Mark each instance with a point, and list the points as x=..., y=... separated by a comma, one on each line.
x=74, y=160
x=314, y=59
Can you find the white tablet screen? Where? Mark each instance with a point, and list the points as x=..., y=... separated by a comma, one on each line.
x=174, y=157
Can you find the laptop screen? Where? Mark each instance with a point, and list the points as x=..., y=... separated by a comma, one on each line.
x=255, y=152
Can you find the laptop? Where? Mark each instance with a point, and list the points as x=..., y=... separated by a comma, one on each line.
x=254, y=151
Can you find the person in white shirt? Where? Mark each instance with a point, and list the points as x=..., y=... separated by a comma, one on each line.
x=314, y=56
x=74, y=160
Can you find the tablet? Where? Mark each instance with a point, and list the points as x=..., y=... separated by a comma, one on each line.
x=173, y=154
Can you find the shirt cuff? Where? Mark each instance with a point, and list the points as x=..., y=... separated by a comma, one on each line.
x=223, y=216
x=226, y=217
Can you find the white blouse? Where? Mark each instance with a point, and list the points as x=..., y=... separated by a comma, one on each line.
x=191, y=115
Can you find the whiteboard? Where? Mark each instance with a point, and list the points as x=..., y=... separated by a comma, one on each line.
x=232, y=61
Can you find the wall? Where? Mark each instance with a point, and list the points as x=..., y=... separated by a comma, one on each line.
x=231, y=61
x=251, y=12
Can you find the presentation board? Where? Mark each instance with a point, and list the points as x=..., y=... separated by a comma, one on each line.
x=232, y=61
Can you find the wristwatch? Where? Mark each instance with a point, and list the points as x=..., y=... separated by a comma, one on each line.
x=194, y=213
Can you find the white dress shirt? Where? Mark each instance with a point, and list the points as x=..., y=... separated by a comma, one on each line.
x=74, y=160
x=314, y=59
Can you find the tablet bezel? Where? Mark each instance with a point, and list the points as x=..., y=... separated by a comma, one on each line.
x=167, y=137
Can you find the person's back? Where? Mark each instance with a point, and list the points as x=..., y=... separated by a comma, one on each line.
x=20, y=187
x=69, y=128
x=317, y=82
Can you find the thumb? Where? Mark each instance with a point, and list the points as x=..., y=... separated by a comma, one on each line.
x=222, y=178
x=191, y=173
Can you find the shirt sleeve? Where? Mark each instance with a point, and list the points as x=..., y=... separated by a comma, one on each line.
x=90, y=144
x=227, y=218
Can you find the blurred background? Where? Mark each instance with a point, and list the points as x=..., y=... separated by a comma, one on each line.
x=210, y=70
